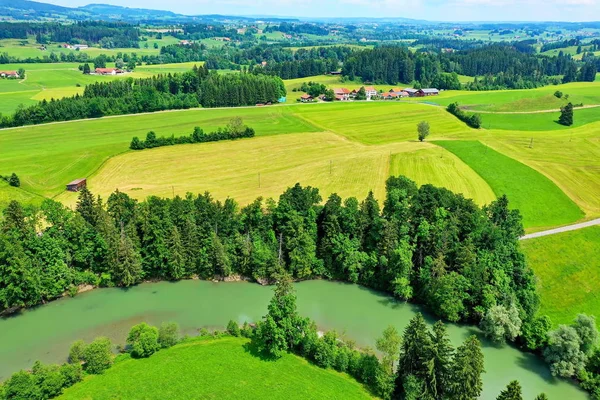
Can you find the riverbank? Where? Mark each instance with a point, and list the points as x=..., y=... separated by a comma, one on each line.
x=355, y=312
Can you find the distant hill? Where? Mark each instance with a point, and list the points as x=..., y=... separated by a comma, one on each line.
x=33, y=10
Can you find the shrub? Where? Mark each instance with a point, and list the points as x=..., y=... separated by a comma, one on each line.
x=233, y=328
x=98, y=356
x=13, y=180
x=76, y=353
x=143, y=340
x=168, y=334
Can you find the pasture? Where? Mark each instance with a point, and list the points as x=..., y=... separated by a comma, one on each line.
x=359, y=142
x=541, y=202
x=248, y=168
x=57, y=80
x=540, y=121
x=46, y=157
x=568, y=269
x=440, y=167
x=187, y=370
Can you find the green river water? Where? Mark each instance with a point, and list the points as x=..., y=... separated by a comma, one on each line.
x=45, y=333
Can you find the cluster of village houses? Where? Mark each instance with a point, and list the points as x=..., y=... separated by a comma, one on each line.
x=343, y=94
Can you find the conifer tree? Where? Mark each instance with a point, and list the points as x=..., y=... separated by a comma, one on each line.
x=566, y=115
x=467, y=368
x=512, y=392
x=439, y=364
x=413, y=353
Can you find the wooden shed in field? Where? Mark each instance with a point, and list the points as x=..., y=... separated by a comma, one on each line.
x=76, y=185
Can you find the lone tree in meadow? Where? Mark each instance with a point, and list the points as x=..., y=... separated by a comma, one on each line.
x=423, y=130
x=13, y=180
x=566, y=115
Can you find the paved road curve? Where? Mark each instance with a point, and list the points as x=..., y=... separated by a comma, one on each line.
x=562, y=229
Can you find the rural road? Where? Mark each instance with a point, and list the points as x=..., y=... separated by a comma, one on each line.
x=562, y=229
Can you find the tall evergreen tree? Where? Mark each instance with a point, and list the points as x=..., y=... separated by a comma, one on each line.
x=566, y=115
x=467, y=368
x=512, y=392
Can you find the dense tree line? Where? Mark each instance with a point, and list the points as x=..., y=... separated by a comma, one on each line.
x=195, y=88
x=502, y=66
x=74, y=56
x=559, y=45
x=473, y=120
x=295, y=28
x=427, y=245
x=107, y=34
x=234, y=130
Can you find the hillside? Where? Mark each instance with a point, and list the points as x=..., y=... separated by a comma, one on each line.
x=188, y=370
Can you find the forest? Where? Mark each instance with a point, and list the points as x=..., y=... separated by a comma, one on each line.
x=107, y=34
x=502, y=66
x=195, y=88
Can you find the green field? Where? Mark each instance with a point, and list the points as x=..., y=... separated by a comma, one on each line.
x=382, y=122
x=543, y=121
x=30, y=49
x=45, y=167
x=568, y=269
x=46, y=81
x=441, y=168
x=353, y=131
x=190, y=371
x=541, y=202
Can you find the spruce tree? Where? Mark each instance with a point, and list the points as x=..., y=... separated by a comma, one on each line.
x=467, y=368
x=512, y=392
x=413, y=353
x=14, y=180
x=86, y=206
x=439, y=364
x=566, y=115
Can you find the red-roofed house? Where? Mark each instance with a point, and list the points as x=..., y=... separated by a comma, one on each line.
x=306, y=98
x=9, y=74
x=371, y=92
x=108, y=71
x=342, y=94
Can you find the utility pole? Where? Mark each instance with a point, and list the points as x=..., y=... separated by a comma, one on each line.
x=173, y=190
x=531, y=144
x=259, y=180
x=330, y=166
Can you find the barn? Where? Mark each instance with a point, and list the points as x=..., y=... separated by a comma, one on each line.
x=76, y=185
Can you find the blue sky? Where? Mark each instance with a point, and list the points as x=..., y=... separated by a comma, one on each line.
x=439, y=10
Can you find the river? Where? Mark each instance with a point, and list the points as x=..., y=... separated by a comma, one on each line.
x=46, y=332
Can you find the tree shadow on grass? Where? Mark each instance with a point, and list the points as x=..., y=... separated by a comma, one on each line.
x=252, y=349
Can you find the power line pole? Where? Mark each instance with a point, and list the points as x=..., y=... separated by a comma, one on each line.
x=259, y=180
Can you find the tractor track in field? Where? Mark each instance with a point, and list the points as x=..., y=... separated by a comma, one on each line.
x=562, y=229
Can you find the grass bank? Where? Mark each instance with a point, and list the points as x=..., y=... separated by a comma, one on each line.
x=216, y=369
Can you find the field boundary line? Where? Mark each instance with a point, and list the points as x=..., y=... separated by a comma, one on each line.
x=531, y=112
x=562, y=229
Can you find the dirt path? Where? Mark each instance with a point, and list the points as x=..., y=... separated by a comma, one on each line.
x=562, y=229
x=530, y=112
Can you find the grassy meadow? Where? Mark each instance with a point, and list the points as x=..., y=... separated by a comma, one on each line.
x=568, y=269
x=540, y=201
x=187, y=370
x=440, y=167
x=357, y=141
x=231, y=169
x=57, y=80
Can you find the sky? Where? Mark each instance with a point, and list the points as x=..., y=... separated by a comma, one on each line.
x=433, y=10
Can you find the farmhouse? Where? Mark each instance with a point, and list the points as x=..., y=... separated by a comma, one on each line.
x=411, y=92
x=81, y=46
x=306, y=98
x=391, y=96
x=427, y=92
x=342, y=94
x=185, y=43
x=9, y=74
x=76, y=185
x=108, y=71
x=370, y=91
